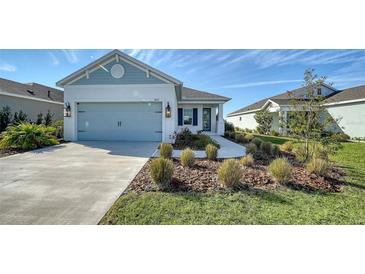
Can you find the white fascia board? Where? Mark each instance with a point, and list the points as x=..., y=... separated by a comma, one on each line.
x=200, y=102
x=29, y=98
x=345, y=102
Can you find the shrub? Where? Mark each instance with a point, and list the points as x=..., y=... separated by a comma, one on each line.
x=232, y=135
x=256, y=141
x=202, y=140
x=165, y=150
x=228, y=126
x=187, y=157
x=240, y=138
x=340, y=137
x=211, y=152
x=230, y=172
x=319, y=152
x=287, y=146
x=5, y=118
x=266, y=147
x=39, y=120
x=251, y=148
x=248, y=130
x=274, y=133
x=20, y=117
x=318, y=166
x=184, y=137
x=28, y=136
x=249, y=137
x=247, y=160
x=300, y=153
x=58, y=125
x=161, y=172
x=259, y=155
x=48, y=118
x=281, y=170
x=276, y=151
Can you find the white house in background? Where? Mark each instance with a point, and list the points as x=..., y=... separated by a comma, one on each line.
x=347, y=106
x=118, y=97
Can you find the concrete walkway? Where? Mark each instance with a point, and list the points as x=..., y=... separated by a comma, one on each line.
x=72, y=183
x=228, y=149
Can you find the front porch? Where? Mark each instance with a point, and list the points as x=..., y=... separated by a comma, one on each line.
x=207, y=118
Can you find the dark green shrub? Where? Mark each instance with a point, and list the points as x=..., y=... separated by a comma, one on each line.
x=257, y=142
x=276, y=152
x=274, y=133
x=281, y=170
x=161, y=172
x=251, y=148
x=230, y=173
x=39, y=120
x=249, y=137
x=187, y=157
x=20, y=117
x=318, y=166
x=228, y=126
x=48, y=118
x=5, y=118
x=28, y=136
x=266, y=147
x=184, y=137
x=202, y=140
x=240, y=138
x=232, y=135
x=211, y=152
x=247, y=160
x=259, y=155
x=340, y=137
x=300, y=153
x=166, y=150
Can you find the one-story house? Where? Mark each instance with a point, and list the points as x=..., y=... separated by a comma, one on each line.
x=118, y=97
x=346, y=106
x=32, y=99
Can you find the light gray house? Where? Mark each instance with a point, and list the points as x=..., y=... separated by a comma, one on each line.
x=117, y=97
x=31, y=98
x=346, y=106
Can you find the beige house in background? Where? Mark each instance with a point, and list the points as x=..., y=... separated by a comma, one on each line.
x=31, y=98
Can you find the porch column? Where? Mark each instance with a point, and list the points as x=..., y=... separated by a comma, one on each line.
x=220, y=123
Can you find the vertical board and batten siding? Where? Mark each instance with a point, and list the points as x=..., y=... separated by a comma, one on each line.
x=132, y=75
x=247, y=120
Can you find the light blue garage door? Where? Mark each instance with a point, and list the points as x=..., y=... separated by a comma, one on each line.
x=119, y=121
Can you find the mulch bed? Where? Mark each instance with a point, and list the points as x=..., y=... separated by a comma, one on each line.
x=203, y=178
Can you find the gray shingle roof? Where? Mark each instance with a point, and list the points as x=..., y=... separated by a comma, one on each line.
x=189, y=94
x=349, y=94
x=31, y=90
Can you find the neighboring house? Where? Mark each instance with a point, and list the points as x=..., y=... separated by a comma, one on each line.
x=346, y=106
x=120, y=98
x=31, y=98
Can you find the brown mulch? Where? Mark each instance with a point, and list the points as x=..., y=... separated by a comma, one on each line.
x=203, y=178
x=10, y=151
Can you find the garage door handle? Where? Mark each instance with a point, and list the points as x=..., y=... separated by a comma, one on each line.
x=119, y=123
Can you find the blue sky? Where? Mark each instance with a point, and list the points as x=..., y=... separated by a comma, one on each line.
x=244, y=75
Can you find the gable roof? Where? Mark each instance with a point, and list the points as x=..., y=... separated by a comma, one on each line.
x=31, y=91
x=110, y=56
x=350, y=94
x=281, y=99
x=189, y=94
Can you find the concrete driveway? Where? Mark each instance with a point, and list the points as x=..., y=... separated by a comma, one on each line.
x=72, y=183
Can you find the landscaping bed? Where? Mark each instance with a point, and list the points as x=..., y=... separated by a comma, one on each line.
x=186, y=139
x=10, y=151
x=203, y=178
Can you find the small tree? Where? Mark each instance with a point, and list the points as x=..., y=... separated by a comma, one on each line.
x=5, y=118
x=48, y=118
x=39, y=120
x=20, y=117
x=306, y=118
x=264, y=120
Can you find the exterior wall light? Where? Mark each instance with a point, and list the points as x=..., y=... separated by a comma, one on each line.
x=67, y=110
x=168, y=111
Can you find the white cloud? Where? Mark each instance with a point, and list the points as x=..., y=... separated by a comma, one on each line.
x=262, y=83
x=7, y=67
x=54, y=59
x=71, y=55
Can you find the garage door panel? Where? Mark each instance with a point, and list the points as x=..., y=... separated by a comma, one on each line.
x=120, y=121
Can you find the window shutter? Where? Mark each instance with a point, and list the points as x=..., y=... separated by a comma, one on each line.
x=179, y=116
x=195, y=116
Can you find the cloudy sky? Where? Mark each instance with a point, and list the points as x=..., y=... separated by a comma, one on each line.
x=244, y=75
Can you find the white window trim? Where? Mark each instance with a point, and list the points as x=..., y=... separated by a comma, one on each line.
x=192, y=116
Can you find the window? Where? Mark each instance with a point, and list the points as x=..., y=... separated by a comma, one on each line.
x=188, y=116
x=240, y=118
x=319, y=91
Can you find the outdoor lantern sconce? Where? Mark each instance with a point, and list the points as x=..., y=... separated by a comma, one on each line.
x=168, y=111
x=67, y=110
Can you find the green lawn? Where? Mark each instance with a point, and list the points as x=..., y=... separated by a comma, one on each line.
x=284, y=206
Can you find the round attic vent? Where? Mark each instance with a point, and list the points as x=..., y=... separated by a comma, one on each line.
x=117, y=71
